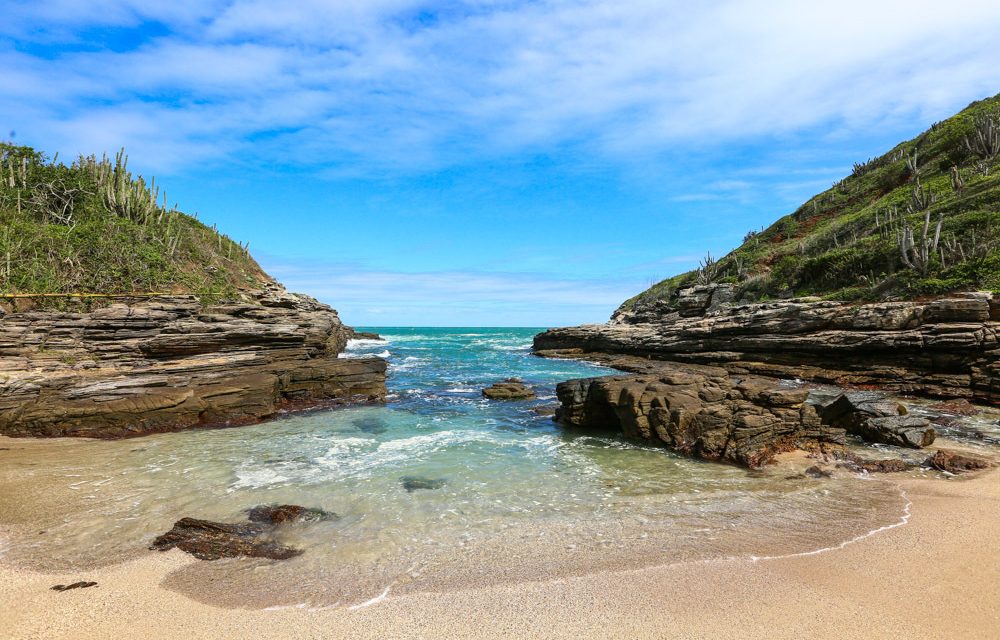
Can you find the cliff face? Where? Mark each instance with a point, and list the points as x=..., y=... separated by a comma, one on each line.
x=944, y=348
x=168, y=363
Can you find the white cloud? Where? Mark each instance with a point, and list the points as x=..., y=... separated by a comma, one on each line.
x=370, y=85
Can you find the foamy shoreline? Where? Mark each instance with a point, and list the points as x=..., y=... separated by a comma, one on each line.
x=937, y=576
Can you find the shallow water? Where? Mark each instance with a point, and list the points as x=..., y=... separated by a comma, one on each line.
x=517, y=498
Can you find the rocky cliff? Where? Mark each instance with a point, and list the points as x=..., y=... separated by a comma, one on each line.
x=948, y=347
x=141, y=366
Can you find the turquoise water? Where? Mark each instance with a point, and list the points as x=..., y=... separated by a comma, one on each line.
x=515, y=496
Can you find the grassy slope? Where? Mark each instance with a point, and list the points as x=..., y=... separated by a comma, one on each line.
x=839, y=244
x=59, y=235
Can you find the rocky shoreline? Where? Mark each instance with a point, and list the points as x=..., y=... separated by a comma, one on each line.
x=706, y=372
x=945, y=348
x=141, y=366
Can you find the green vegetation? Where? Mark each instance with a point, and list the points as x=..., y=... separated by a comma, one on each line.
x=91, y=227
x=922, y=219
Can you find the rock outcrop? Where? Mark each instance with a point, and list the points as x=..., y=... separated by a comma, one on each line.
x=698, y=411
x=509, y=389
x=163, y=364
x=943, y=348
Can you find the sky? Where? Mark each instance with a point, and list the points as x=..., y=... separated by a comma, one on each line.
x=488, y=162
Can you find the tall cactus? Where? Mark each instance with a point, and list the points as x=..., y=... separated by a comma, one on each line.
x=984, y=142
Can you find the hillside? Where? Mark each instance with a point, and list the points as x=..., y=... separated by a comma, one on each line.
x=93, y=227
x=921, y=219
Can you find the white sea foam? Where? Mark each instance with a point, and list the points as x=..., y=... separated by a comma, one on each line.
x=377, y=599
x=361, y=343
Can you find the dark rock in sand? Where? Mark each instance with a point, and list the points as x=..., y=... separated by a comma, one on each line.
x=208, y=540
x=75, y=585
x=415, y=483
x=953, y=462
x=509, y=389
x=278, y=514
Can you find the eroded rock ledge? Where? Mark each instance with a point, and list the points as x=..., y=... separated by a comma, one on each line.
x=943, y=348
x=166, y=364
x=699, y=411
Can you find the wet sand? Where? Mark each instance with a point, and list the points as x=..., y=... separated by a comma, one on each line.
x=937, y=575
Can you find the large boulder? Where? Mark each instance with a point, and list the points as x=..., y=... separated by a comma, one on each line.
x=875, y=418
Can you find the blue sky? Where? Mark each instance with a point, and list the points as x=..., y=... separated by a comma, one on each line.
x=488, y=162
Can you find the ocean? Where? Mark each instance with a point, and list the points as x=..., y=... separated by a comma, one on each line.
x=510, y=495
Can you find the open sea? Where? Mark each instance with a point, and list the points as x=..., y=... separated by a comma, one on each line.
x=514, y=497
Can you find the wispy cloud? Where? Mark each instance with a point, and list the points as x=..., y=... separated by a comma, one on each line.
x=373, y=297
x=407, y=85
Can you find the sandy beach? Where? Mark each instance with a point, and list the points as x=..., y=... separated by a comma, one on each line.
x=937, y=575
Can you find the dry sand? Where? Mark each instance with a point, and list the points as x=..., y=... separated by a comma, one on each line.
x=937, y=576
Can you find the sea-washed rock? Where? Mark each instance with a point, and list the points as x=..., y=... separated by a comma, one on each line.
x=208, y=540
x=877, y=419
x=854, y=462
x=509, y=389
x=278, y=514
x=698, y=411
x=954, y=462
x=960, y=407
x=546, y=410
x=416, y=483
x=164, y=364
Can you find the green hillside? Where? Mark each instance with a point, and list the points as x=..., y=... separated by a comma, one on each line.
x=92, y=227
x=924, y=218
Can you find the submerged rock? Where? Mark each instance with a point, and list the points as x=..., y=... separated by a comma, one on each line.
x=415, y=483
x=208, y=540
x=509, y=389
x=954, y=462
x=278, y=514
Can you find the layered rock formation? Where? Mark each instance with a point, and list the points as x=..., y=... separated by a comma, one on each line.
x=699, y=411
x=944, y=348
x=170, y=363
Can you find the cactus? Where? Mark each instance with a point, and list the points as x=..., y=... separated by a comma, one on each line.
x=708, y=268
x=956, y=180
x=918, y=256
x=984, y=142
